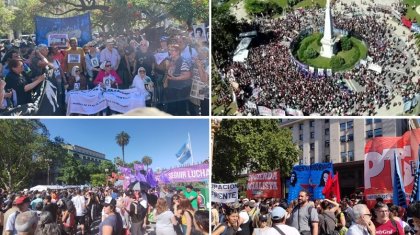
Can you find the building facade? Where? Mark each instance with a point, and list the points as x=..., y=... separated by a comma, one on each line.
x=86, y=155
x=342, y=142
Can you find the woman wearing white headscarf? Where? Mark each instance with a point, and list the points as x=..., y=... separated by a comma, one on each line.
x=143, y=83
x=77, y=81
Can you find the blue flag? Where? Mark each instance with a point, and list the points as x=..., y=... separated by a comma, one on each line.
x=399, y=196
x=415, y=195
x=184, y=153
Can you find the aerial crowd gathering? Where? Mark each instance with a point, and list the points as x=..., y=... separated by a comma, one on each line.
x=350, y=216
x=105, y=210
x=163, y=70
x=270, y=78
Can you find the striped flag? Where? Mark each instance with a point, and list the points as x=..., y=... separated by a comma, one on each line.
x=399, y=196
x=185, y=152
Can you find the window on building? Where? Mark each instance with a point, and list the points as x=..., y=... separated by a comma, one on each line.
x=327, y=121
x=327, y=131
x=300, y=137
x=349, y=124
x=327, y=143
x=312, y=123
x=368, y=121
x=378, y=132
x=342, y=126
x=312, y=135
x=312, y=146
x=369, y=134
x=343, y=157
x=377, y=120
x=351, y=156
x=350, y=137
x=301, y=126
x=342, y=138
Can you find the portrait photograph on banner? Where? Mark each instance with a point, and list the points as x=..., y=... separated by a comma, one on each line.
x=147, y=49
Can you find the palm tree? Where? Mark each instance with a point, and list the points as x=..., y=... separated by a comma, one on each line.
x=122, y=140
x=146, y=160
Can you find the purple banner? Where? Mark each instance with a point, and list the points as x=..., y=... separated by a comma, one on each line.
x=194, y=173
x=138, y=167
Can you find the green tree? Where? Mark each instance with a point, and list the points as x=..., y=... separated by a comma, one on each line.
x=71, y=172
x=267, y=7
x=21, y=143
x=6, y=18
x=24, y=13
x=346, y=43
x=107, y=165
x=122, y=140
x=310, y=53
x=98, y=180
x=146, y=160
x=257, y=144
x=118, y=161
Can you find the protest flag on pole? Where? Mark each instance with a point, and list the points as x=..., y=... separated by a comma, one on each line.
x=399, y=196
x=185, y=152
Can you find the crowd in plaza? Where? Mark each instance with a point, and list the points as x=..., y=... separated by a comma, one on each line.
x=162, y=69
x=350, y=216
x=270, y=78
x=118, y=212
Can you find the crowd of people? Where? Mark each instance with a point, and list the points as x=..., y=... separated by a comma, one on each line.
x=313, y=217
x=164, y=73
x=270, y=78
x=104, y=211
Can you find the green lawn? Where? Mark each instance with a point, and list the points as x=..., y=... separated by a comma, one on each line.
x=411, y=13
x=221, y=110
x=350, y=57
x=310, y=3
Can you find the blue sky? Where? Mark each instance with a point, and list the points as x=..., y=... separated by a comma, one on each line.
x=158, y=138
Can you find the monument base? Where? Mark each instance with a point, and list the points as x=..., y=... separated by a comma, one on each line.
x=328, y=48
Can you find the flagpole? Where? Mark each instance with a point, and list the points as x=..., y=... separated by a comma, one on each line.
x=189, y=143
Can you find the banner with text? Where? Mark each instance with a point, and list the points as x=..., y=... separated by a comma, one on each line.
x=264, y=185
x=379, y=165
x=195, y=173
x=309, y=177
x=224, y=193
x=76, y=26
x=123, y=101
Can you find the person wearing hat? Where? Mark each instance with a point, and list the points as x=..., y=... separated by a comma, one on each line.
x=109, y=53
x=75, y=56
x=144, y=85
x=278, y=216
x=112, y=224
x=22, y=204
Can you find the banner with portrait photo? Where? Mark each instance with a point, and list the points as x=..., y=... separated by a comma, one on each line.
x=224, y=193
x=311, y=178
x=58, y=39
x=76, y=26
x=264, y=185
x=200, y=32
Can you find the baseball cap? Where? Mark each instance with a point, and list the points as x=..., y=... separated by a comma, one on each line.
x=278, y=213
x=263, y=218
x=109, y=201
x=250, y=204
x=21, y=200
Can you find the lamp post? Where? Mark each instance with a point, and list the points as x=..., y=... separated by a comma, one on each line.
x=106, y=176
x=48, y=161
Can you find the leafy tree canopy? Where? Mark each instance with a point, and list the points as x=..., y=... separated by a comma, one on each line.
x=257, y=144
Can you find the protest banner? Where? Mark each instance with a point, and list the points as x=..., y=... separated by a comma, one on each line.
x=379, y=165
x=224, y=193
x=264, y=185
x=59, y=40
x=76, y=26
x=194, y=173
x=309, y=177
x=123, y=101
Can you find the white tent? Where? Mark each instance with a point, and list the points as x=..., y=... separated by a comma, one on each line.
x=240, y=56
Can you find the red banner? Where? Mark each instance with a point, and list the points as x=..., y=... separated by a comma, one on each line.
x=379, y=164
x=264, y=185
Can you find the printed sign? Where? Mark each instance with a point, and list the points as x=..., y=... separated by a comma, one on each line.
x=224, y=193
x=59, y=40
x=264, y=185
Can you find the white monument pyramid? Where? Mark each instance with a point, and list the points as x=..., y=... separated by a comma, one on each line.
x=328, y=41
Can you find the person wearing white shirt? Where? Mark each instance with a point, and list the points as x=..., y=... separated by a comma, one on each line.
x=362, y=224
x=143, y=83
x=80, y=205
